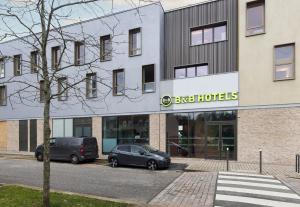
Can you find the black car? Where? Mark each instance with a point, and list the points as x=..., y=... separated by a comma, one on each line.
x=74, y=149
x=138, y=155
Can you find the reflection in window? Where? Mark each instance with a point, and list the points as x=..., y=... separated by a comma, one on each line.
x=187, y=132
x=196, y=37
x=208, y=34
x=255, y=17
x=202, y=70
x=91, y=85
x=105, y=48
x=220, y=33
x=3, y=97
x=125, y=130
x=118, y=82
x=2, y=68
x=191, y=71
x=148, y=78
x=284, y=62
x=135, y=42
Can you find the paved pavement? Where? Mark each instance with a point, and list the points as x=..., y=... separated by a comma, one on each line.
x=249, y=190
x=196, y=164
x=135, y=185
x=191, y=189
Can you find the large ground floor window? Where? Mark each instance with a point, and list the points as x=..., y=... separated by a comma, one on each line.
x=202, y=134
x=124, y=130
x=77, y=127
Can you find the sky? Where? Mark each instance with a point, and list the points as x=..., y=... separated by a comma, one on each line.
x=78, y=13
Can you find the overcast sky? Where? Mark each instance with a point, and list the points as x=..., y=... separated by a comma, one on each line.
x=83, y=12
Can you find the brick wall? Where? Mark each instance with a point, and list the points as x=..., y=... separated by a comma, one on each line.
x=276, y=131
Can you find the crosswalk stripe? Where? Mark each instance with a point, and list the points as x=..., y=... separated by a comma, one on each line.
x=259, y=192
x=231, y=177
x=246, y=174
x=257, y=201
x=252, y=184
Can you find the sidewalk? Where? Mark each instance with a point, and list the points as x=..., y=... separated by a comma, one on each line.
x=203, y=165
x=191, y=189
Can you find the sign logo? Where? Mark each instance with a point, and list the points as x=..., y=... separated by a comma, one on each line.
x=166, y=101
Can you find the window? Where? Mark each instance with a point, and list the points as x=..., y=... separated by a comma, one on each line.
x=202, y=70
x=55, y=57
x=191, y=71
x=148, y=79
x=82, y=127
x=34, y=61
x=17, y=65
x=255, y=23
x=91, y=85
x=180, y=73
x=135, y=42
x=2, y=68
x=62, y=127
x=196, y=37
x=124, y=130
x=220, y=33
x=284, y=62
x=105, y=48
x=124, y=148
x=208, y=34
x=42, y=95
x=79, y=53
x=62, y=89
x=3, y=95
x=118, y=82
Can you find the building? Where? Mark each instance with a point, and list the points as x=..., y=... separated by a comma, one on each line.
x=204, y=79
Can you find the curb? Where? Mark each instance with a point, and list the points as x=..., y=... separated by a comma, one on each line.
x=76, y=194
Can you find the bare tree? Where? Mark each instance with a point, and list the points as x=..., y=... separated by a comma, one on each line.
x=39, y=27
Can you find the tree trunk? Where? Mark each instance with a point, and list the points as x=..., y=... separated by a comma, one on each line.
x=46, y=170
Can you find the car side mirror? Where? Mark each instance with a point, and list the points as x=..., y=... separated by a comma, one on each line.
x=142, y=153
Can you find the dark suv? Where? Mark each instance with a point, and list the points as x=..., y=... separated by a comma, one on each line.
x=138, y=155
x=74, y=149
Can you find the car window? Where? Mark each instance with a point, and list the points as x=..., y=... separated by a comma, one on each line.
x=124, y=148
x=136, y=149
x=75, y=142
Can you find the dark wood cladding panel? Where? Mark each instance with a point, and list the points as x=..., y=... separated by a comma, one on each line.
x=23, y=135
x=33, y=135
x=221, y=56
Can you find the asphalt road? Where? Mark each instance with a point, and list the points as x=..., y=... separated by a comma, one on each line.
x=136, y=185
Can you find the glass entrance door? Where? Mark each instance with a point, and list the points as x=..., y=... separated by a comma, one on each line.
x=220, y=136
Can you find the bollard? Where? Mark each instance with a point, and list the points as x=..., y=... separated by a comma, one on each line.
x=297, y=163
x=227, y=159
x=260, y=161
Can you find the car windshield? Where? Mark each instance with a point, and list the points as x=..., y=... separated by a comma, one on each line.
x=149, y=148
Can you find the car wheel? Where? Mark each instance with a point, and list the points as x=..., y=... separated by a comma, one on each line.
x=74, y=159
x=39, y=157
x=114, y=162
x=152, y=165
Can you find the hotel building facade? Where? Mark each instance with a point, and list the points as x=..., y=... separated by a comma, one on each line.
x=193, y=82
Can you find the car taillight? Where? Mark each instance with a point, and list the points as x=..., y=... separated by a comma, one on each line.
x=81, y=150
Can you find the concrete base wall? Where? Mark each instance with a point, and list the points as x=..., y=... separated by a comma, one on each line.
x=276, y=131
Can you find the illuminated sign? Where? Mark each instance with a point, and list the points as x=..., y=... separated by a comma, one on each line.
x=167, y=101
